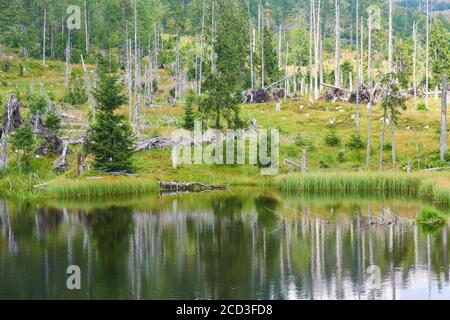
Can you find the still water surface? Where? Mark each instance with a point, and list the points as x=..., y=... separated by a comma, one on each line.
x=243, y=244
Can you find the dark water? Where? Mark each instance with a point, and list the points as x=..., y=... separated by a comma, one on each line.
x=243, y=244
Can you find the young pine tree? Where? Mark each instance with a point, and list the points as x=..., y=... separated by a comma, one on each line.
x=22, y=142
x=112, y=137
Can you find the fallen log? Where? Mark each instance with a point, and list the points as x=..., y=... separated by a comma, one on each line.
x=188, y=187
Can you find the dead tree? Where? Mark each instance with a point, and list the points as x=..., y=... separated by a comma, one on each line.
x=68, y=56
x=44, y=37
x=337, y=45
x=443, y=142
x=357, y=69
x=427, y=54
x=86, y=27
x=202, y=52
x=415, y=63
x=369, y=72
x=311, y=27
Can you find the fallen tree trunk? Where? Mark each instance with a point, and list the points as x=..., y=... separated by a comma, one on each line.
x=190, y=187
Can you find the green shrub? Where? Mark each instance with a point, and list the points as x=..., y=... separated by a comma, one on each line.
x=332, y=139
x=431, y=217
x=341, y=156
x=356, y=142
x=422, y=107
x=5, y=65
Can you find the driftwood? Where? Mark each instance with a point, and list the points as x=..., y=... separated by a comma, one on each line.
x=188, y=187
x=11, y=116
x=163, y=142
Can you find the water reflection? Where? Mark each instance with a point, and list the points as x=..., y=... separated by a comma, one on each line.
x=249, y=245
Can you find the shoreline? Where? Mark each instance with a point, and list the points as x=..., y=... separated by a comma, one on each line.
x=432, y=188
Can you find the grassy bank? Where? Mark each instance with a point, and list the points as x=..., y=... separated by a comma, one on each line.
x=418, y=186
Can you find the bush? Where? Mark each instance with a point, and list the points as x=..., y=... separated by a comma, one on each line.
x=422, y=107
x=431, y=217
x=356, y=143
x=341, y=156
x=331, y=139
x=5, y=65
x=323, y=165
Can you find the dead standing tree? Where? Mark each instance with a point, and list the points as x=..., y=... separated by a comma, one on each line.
x=443, y=142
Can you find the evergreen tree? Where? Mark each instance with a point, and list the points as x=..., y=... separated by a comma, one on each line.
x=189, y=116
x=439, y=51
x=112, y=137
x=270, y=57
x=225, y=84
x=52, y=121
x=22, y=142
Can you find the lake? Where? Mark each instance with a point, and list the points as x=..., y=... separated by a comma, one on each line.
x=236, y=244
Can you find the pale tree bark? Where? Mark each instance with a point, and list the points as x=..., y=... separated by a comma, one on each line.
x=316, y=53
x=44, y=36
x=202, y=52
x=321, y=64
x=213, y=38
x=262, y=48
x=137, y=74
x=443, y=142
x=311, y=27
x=427, y=53
x=86, y=27
x=415, y=63
x=286, y=90
x=68, y=56
x=369, y=72
x=362, y=51
x=279, y=46
x=390, y=41
x=251, y=47
x=357, y=69
x=337, y=45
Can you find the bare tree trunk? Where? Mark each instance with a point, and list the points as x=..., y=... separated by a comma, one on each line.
x=286, y=86
x=262, y=49
x=251, y=48
x=86, y=27
x=68, y=55
x=427, y=56
x=311, y=27
x=202, y=52
x=361, y=69
x=369, y=72
x=337, y=46
x=443, y=143
x=390, y=41
x=321, y=64
x=279, y=46
x=316, y=54
x=44, y=36
x=3, y=153
x=137, y=74
x=415, y=63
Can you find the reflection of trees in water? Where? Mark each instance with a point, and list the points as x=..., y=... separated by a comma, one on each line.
x=229, y=251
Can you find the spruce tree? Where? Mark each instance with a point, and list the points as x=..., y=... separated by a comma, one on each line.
x=22, y=142
x=112, y=137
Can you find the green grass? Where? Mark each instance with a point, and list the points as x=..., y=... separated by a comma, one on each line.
x=431, y=217
x=382, y=184
x=103, y=187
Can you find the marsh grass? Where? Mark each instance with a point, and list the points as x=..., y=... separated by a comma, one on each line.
x=363, y=184
x=104, y=187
